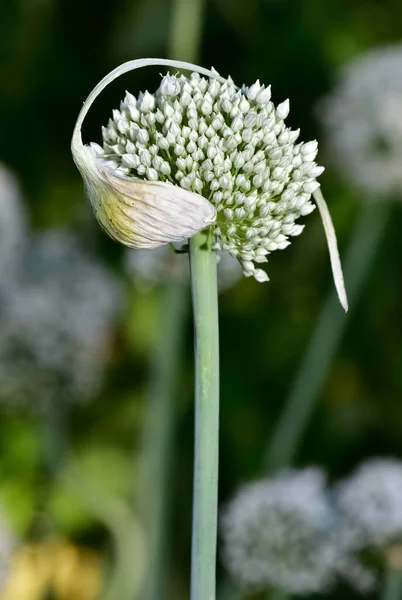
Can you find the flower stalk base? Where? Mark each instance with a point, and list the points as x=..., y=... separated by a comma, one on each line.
x=205, y=307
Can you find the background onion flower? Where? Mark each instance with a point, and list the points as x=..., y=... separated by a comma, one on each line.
x=363, y=122
x=371, y=503
x=55, y=317
x=282, y=533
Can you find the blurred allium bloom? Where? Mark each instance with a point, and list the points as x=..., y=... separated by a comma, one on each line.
x=363, y=121
x=228, y=145
x=12, y=222
x=55, y=320
x=162, y=265
x=280, y=533
x=370, y=501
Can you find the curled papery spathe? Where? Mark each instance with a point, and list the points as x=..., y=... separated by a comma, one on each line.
x=137, y=213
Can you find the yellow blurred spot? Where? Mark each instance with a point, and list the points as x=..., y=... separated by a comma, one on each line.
x=69, y=572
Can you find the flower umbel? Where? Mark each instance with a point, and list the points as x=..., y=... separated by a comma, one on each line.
x=229, y=145
x=57, y=314
x=371, y=502
x=219, y=152
x=279, y=533
x=285, y=533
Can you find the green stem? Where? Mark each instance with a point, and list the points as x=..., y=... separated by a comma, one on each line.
x=392, y=587
x=205, y=503
x=159, y=434
x=326, y=337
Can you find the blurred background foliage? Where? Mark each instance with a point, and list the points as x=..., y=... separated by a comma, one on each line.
x=52, y=52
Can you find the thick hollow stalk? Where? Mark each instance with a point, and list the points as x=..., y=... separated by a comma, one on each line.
x=326, y=337
x=392, y=587
x=158, y=441
x=205, y=502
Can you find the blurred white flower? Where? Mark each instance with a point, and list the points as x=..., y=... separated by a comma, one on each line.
x=362, y=118
x=281, y=533
x=370, y=501
x=149, y=268
x=55, y=318
x=12, y=222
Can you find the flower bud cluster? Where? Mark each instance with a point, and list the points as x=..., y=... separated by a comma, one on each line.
x=229, y=145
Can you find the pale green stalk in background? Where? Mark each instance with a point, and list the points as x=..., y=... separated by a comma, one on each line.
x=205, y=499
x=326, y=338
x=53, y=425
x=392, y=588
x=155, y=484
x=127, y=533
x=392, y=584
x=158, y=438
x=186, y=28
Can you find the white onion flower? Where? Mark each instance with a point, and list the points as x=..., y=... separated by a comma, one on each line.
x=362, y=118
x=370, y=501
x=55, y=319
x=199, y=153
x=283, y=533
